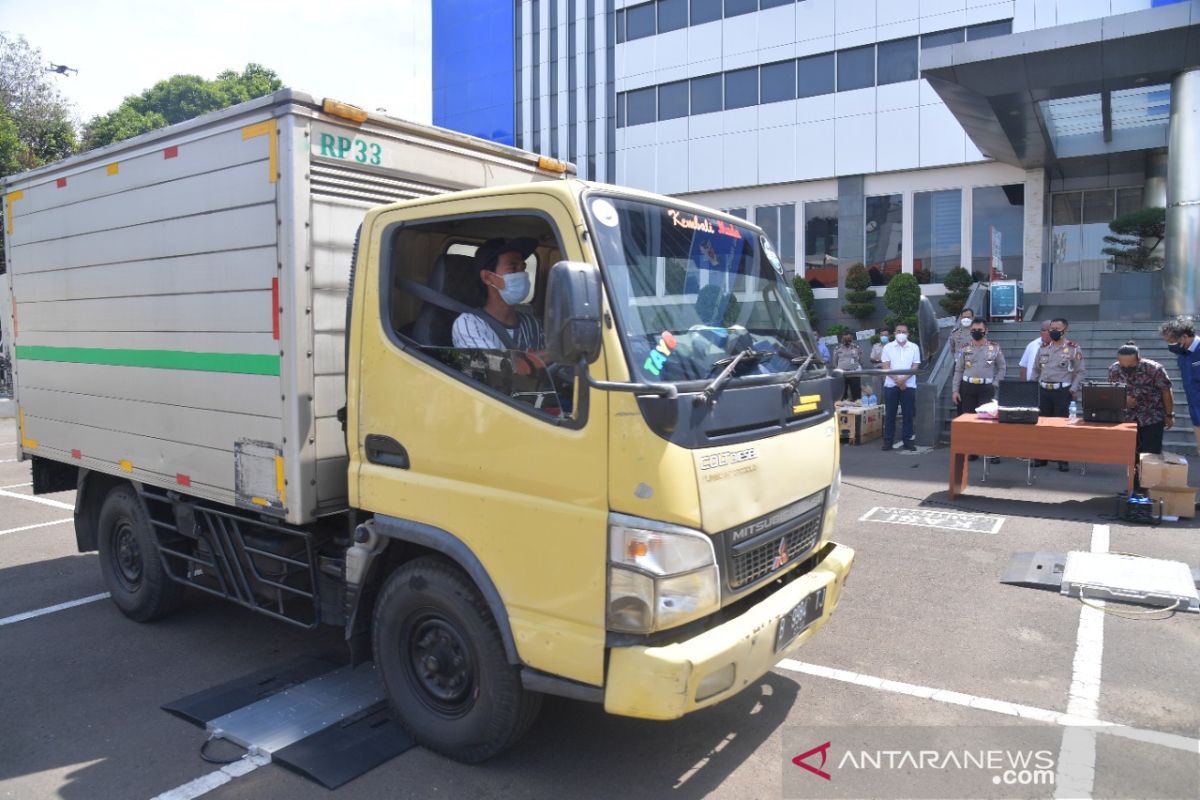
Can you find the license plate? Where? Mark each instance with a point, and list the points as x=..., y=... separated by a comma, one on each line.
x=796, y=621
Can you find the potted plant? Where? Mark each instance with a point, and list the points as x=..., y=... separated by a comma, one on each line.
x=902, y=297
x=958, y=287
x=860, y=300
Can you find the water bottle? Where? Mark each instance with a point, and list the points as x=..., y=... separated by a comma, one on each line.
x=1073, y=413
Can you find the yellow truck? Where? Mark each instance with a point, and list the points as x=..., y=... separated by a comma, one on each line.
x=613, y=477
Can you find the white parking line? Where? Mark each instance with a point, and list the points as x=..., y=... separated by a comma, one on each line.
x=41, y=612
x=206, y=783
x=1171, y=740
x=16, y=485
x=1077, y=755
x=42, y=500
x=37, y=525
x=7, y=460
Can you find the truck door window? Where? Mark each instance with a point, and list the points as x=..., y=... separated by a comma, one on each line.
x=440, y=305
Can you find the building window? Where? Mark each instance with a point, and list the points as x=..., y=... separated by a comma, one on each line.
x=1078, y=225
x=639, y=22
x=856, y=68
x=998, y=223
x=772, y=4
x=884, y=225
x=779, y=223
x=777, y=82
x=672, y=15
x=989, y=29
x=821, y=244
x=673, y=100
x=814, y=75
x=734, y=8
x=640, y=106
x=706, y=94
x=937, y=234
x=741, y=88
x=1129, y=200
x=898, y=61
x=620, y=26
x=952, y=36
x=621, y=110
x=705, y=11
x=740, y=213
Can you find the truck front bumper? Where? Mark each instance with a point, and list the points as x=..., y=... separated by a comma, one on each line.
x=663, y=682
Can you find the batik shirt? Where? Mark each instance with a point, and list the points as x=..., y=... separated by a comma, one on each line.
x=1145, y=386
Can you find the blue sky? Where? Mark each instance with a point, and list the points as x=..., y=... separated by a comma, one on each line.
x=375, y=55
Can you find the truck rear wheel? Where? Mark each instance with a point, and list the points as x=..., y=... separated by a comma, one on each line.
x=129, y=561
x=439, y=651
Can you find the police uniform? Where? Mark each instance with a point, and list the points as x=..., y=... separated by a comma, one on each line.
x=849, y=357
x=977, y=370
x=1059, y=371
x=960, y=337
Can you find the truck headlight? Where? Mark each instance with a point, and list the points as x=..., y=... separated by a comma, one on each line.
x=659, y=575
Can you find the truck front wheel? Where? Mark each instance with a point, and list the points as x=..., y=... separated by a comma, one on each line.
x=129, y=561
x=439, y=650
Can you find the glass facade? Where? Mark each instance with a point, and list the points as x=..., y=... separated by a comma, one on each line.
x=1078, y=225
x=473, y=73
x=998, y=232
x=821, y=244
x=884, y=227
x=937, y=234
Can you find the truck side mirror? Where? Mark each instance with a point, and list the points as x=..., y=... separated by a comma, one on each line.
x=928, y=324
x=573, y=302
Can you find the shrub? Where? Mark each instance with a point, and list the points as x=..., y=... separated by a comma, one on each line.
x=902, y=297
x=1134, y=238
x=860, y=300
x=807, y=299
x=837, y=329
x=958, y=288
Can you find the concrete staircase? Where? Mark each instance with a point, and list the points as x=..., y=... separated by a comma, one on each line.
x=1099, y=341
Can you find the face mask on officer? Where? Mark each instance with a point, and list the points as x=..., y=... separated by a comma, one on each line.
x=1055, y=334
x=977, y=335
x=883, y=339
x=966, y=322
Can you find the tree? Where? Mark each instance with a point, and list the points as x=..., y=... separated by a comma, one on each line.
x=837, y=329
x=860, y=299
x=902, y=297
x=808, y=300
x=1135, y=236
x=958, y=288
x=176, y=99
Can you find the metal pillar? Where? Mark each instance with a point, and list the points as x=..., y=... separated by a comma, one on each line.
x=1181, y=274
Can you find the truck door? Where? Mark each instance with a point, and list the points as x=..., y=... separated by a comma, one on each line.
x=484, y=442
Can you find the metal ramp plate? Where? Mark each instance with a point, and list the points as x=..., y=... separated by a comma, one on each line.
x=1038, y=570
x=209, y=704
x=1131, y=579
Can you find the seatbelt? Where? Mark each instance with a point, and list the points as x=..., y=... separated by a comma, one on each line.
x=450, y=304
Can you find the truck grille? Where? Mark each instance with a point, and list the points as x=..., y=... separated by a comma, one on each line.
x=759, y=561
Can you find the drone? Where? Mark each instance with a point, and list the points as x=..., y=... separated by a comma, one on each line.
x=61, y=69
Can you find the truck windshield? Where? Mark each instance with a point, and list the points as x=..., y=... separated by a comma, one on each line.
x=691, y=291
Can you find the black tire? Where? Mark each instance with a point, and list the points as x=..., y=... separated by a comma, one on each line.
x=129, y=560
x=443, y=663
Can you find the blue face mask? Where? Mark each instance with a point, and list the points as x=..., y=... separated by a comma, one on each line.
x=516, y=287
x=883, y=340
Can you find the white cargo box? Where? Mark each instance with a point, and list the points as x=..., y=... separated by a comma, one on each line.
x=178, y=299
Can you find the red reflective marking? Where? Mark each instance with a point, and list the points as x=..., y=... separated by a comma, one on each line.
x=76, y=454
x=275, y=309
x=171, y=152
x=183, y=480
x=61, y=182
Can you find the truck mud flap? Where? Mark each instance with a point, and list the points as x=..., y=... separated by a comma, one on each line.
x=315, y=716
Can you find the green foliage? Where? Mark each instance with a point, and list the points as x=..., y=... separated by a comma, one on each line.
x=837, y=329
x=860, y=300
x=176, y=99
x=958, y=288
x=807, y=299
x=902, y=297
x=1134, y=238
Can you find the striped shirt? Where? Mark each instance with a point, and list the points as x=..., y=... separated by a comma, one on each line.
x=470, y=332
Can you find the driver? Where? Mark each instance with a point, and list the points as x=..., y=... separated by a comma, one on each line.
x=501, y=264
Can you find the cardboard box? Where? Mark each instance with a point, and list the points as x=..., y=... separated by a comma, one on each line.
x=1175, y=502
x=860, y=424
x=1167, y=471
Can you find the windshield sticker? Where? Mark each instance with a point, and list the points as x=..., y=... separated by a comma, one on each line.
x=605, y=213
x=659, y=355
x=701, y=225
x=769, y=251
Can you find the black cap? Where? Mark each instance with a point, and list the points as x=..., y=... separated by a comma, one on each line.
x=490, y=251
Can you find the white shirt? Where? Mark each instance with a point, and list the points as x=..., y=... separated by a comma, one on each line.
x=1030, y=356
x=898, y=356
x=471, y=332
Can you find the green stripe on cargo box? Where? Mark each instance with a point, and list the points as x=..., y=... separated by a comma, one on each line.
x=243, y=363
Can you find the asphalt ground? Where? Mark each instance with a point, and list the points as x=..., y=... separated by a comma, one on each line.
x=925, y=635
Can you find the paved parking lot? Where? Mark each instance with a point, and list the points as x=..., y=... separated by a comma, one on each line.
x=925, y=635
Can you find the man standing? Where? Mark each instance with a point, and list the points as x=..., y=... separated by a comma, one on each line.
x=978, y=367
x=1148, y=400
x=960, y=337
x=848, y=356
x=900, y=391
x=1031, y=352
x=1180, y=336
x=1059, y=372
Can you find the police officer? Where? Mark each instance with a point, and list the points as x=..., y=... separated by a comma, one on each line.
x=978, y=367
x=1059, y=373
x=848, y=356
x=960, y=337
